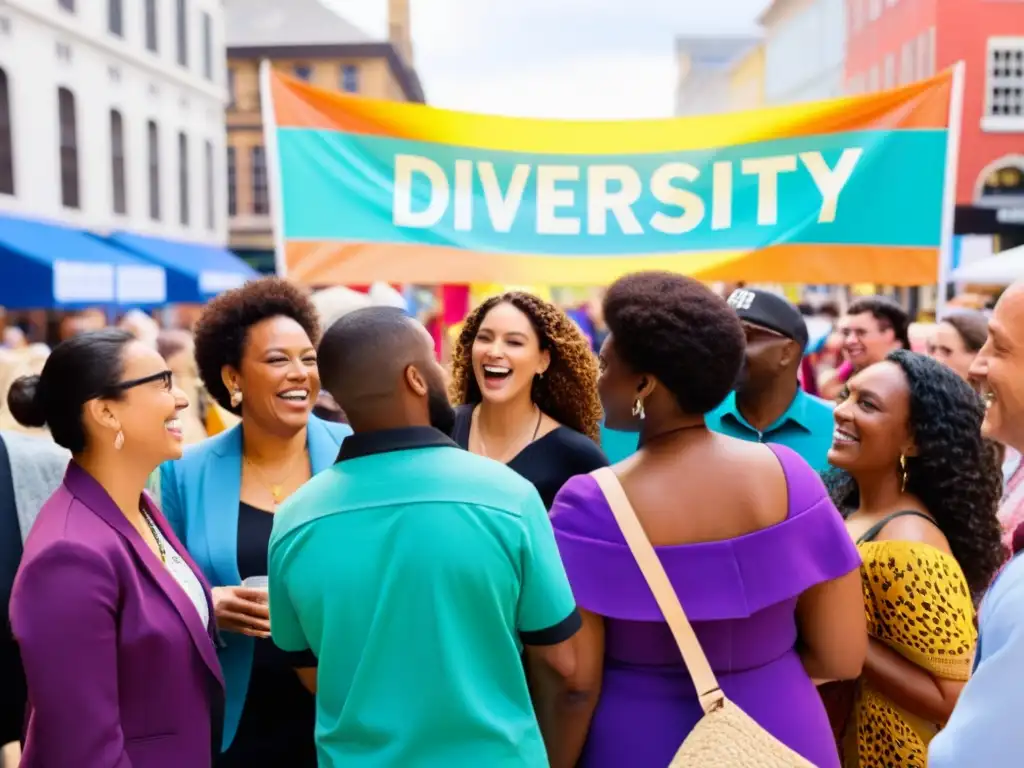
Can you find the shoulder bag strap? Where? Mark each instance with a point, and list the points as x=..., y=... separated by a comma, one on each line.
x=704, y=680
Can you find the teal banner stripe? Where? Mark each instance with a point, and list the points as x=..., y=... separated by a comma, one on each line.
x=880, y=188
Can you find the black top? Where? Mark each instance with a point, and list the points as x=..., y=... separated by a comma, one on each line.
x=549, y=461
x=254, y=527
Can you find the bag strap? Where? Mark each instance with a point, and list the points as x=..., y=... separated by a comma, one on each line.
x=704, y=680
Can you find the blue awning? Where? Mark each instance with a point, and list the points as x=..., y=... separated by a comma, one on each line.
x=44, y=265
x=195, y=273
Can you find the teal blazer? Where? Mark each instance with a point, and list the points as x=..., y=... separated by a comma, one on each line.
x=199, y=494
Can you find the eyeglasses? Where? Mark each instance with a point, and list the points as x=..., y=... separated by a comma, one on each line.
x=163, y=376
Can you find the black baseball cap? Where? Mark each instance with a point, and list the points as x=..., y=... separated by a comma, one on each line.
x=771, y=311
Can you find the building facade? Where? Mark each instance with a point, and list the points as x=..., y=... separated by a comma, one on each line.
x=804, y=42
x=112, y=116
x=746, y=81
x=706, y=66
x=897, y=41
x=307, y=40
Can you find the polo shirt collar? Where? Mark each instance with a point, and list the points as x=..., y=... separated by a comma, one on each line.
x=796, y=413
x=387, y=440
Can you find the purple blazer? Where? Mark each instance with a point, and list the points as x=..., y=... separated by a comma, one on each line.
x=121, y=671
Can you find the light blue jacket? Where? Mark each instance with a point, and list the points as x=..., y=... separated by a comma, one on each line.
x=199, y=495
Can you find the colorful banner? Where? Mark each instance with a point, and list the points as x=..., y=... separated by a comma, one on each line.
x=843, y=191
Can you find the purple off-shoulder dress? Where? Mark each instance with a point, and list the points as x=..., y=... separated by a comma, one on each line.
x=740, y=594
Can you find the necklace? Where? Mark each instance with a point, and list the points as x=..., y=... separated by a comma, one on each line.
x=536, y=430
x=276, y=489
x=156, y=535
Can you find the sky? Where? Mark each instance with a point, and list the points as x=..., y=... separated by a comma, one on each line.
x=571, y=59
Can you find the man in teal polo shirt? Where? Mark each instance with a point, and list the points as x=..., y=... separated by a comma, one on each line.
x=769, y=405
x=416, y=572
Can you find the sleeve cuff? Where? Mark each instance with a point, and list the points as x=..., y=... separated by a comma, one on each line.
x=556, y=634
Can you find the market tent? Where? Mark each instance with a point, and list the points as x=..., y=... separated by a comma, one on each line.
x=45, y=266
x=999, y=269
x=195, y=272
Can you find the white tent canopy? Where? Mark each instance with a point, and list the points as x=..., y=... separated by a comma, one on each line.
x=999, y=269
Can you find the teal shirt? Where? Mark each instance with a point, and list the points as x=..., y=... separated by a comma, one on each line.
x=618, y=445
x=806, y=427
x=416, y=571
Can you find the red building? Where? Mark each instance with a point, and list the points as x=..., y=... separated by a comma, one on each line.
x=891, y=42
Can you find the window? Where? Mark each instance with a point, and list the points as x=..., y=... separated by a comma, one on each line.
x=907, y=61
x=67, y=5
x=207, y=46
x=890, y=71
x=232, y=183
x=152, y=43
x=6, y=139
x=153, y=150
x=260, y=194
x=115, y=18
x=211, y=213
x=930, y=44
x=117, y=173
x=874, y=9
x=856, y=15
x=303, y=72
x=1004, y=84
x=182, y=33
x=923, y=65
x=183, y=201
x=350, y=78
x=68, y=148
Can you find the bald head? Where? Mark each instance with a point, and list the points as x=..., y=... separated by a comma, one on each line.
x=378, y=365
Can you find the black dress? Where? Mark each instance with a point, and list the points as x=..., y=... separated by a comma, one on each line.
x=276, y=729
x=547, y=462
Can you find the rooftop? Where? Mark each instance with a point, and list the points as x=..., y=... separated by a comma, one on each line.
x=256, y=23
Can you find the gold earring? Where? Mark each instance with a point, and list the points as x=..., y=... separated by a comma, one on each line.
x=119, y=440
x=236, y=398
x=638, y=409
x=903, y=468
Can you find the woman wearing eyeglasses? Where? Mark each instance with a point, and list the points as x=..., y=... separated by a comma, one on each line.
x=113, y=619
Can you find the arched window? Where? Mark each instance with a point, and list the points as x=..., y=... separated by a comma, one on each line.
x=6, y=139
x=115, y=17
x=153, y=151
x=69, y=183
x=152, y=39
x=117, y=172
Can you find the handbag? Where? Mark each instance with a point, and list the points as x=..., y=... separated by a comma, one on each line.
x=726, y=736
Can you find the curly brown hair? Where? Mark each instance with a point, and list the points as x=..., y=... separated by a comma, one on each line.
x=223, y=327
x=568, y=390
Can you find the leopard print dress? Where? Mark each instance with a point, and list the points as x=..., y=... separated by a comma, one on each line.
x=918, y=603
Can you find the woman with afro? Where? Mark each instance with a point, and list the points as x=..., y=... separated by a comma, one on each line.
x=919, y=489
x=525, y=380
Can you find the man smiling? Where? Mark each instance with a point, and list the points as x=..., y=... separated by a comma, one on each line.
x=984, y=729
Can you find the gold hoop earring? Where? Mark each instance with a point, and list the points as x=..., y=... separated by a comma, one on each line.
x=638, y=409
x=236, y=398
x=119, y=440
x=903, y=468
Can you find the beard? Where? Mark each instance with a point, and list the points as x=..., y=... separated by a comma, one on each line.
x=442, y=415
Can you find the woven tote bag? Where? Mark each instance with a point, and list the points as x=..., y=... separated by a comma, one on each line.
x=726, y=737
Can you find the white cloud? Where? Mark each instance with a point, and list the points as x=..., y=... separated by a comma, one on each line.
x=602, y=59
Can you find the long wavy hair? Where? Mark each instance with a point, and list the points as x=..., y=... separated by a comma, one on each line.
x=568, y=390
x=956, y=473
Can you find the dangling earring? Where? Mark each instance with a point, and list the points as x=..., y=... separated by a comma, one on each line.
x=638, y=409
x=236, y=398
x=903, y=467
x=119, y=440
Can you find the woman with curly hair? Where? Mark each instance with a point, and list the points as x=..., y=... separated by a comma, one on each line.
x=255, y=348
x=919, y=489
x=525, y=380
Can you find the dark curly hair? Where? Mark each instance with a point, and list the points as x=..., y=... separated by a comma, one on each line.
x=679, y=331
x=568, y=391
x=955, y=474
x=223, y=328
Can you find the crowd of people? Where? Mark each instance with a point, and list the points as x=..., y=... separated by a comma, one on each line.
x=387, y=561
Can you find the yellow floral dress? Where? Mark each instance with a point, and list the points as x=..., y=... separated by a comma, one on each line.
x=918, y=603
